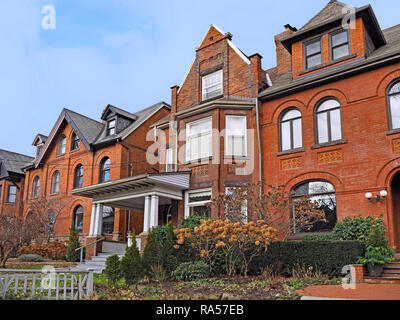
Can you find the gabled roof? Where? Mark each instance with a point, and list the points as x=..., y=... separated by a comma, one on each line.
x=114, y=110
x=12, y=162
x=331, y=10
x=140, y=118
x=230, y=43
x=40, y=138
x=85, y=128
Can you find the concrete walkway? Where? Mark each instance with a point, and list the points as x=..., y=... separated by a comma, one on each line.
x=363, y=291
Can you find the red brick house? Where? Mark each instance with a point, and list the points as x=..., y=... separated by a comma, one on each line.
x=12, y=182
x=79, y=152
x=330, y=121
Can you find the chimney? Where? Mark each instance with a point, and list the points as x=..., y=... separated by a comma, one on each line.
x=258, y=73
x=283, y=57
x=174, y=101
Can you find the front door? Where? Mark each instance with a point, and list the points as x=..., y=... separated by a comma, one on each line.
x=395, y=188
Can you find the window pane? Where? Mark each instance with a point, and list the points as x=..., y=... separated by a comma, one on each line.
x=292, y=114
x=340, y=52
x=12, y=194
x=199, y=127
x=322, y=127
x=395, y=88
x=313, y=48
x=108, y=220
x=339, y=38
x=336, y=127
x=212, y=85
x=200, y=211
x=297, y=134
x=328, y=104
x=314, y=61
x=395, y=111
x=285, y=144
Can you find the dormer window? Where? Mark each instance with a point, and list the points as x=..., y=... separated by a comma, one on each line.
x=111, y=124
x=313, y=53
x=61, y=145
x=340, y=45
x=212, y=85
x=75, y=142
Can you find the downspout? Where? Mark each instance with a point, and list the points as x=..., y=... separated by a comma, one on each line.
x=260, y=179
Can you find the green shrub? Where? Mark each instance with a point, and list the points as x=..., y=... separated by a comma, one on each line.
x=376, y=237
x=356, y=228
x=151, y=252
x=30, y=258
x=320, y=237
x=71, y=254
x=192, y=221
x=161, y=234
x=189, y=271
x=168, y=258
x=131, y=265
x=328, y=257
x=377, y=255
x=113, y=270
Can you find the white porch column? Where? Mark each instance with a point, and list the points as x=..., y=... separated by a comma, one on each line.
x=146, y=220
x=99, y=220
x=154, y=212
x=92, y=220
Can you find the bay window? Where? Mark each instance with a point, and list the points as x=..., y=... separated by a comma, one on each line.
x=199, y=139
x=235, y=138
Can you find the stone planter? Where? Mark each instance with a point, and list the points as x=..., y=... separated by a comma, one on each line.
x=375, y=270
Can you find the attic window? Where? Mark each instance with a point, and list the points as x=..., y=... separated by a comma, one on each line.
x=111, y=127
x=339, y=45
x=212, y=85
x=313, y=53
x=75, y=142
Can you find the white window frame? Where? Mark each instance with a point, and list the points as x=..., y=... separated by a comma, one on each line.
x=244, y=205
x=218, y=84
x=190, y=135
x=195, y=204
x=169, y=163
x=228, y=136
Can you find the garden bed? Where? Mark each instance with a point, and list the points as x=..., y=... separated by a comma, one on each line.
x=13, y=263
x=238, y=288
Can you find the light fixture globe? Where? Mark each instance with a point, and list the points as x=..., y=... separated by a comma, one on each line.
x=369, y=195
x=384, y=194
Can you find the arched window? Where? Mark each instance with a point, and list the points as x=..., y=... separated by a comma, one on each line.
x=75, y=142
x=393, y=96
x=291, y=136
x=328, y=121
x=78, y=177
x=108, y=220
x=78, y=218
x=105, y=166
x=36, y=187
x=61, y=145
x=55, y=183
x=322, y=195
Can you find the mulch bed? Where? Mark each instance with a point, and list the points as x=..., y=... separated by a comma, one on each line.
x=14, y=262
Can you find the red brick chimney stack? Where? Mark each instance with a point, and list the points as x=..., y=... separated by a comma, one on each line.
x=283, y=57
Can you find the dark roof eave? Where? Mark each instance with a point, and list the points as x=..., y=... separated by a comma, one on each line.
x=333, y=76
x=366, y=12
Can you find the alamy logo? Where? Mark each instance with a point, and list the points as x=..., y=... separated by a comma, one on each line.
x=349, y=20
x=49, y=20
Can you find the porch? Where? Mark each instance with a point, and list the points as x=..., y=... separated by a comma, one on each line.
x=145, y=193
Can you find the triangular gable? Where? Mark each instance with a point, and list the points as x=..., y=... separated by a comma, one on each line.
x=72, y=119
x=213, y=34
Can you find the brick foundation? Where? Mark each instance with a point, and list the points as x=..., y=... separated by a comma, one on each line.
x=357, y=273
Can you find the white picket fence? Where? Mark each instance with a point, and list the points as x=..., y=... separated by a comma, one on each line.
x=51, y=284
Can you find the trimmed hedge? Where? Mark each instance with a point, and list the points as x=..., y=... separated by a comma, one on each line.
x=328, y=257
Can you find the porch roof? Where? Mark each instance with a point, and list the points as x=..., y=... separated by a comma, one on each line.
x=137, y=186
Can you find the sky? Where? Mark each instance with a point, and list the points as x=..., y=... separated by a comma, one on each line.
x=127, y=53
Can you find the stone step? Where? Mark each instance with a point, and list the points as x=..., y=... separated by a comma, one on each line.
x=392, y=265
x=382, y=280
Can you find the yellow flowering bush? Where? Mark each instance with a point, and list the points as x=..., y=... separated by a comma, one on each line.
x=234, y=239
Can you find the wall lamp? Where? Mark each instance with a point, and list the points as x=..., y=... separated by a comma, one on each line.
x=378, y=198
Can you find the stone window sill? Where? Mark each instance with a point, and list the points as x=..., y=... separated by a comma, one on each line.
x=393, y=131
x=329, y=144
x=289, y=152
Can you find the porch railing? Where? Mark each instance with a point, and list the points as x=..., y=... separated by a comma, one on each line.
x=87, y=245
x=48, y=283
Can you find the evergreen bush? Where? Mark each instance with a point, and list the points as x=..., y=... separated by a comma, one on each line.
x=113, y=270
x=73, y=244
x=131, y=265
x=30, y=258
x=189, y=271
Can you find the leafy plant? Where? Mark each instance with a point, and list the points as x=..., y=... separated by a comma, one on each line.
x=152, y=252
x=113, y=270
x=189, y=271
x=356, y=228
x=377, y=255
